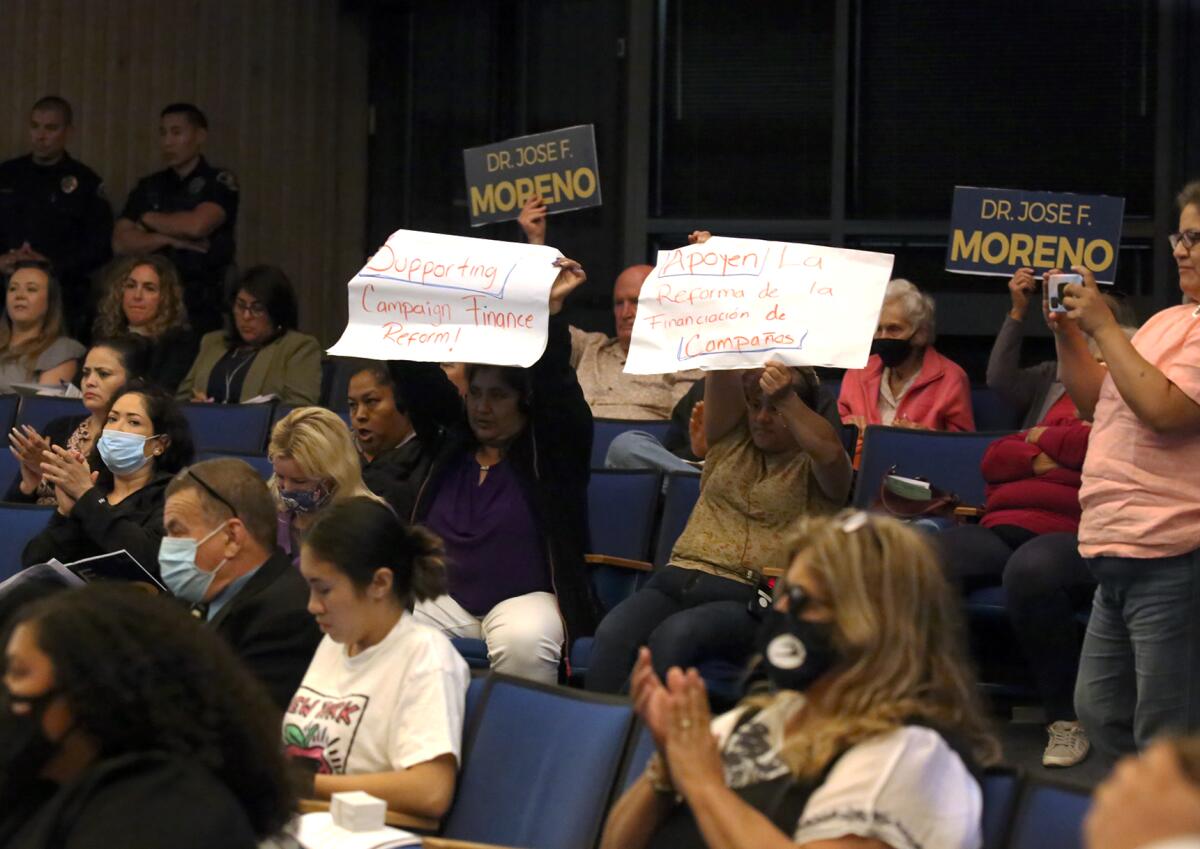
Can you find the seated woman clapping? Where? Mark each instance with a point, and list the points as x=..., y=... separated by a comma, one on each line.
x=381, y=706
x=109, y=365
x=869, y=734
x=113, y=499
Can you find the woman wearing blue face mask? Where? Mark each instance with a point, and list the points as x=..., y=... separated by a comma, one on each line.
x=113, y=499
x=316, y=465
x=871, y=730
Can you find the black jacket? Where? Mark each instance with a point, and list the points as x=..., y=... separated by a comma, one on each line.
x=432, y=405
x=268, y=624
x=137, y=801
x=171, y=357
x=552, y=460
x=96, y=527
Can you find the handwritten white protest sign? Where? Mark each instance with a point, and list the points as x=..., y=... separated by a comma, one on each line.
x=736, y=303
x=438, y=298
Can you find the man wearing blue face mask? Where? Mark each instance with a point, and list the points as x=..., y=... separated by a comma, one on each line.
x=219, y=555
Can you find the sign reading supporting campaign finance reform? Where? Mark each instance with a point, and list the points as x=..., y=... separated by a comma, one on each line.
x=737, y=303
x=559, y=165
x=997, y=231
x=437, y=298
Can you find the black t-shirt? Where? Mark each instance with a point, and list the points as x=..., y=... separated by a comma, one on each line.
x=166, y=191
x=60, y=209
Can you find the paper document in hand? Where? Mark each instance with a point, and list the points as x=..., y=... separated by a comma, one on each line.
x=737, y=303
x=114, y=566
x=50, y=572
x=437, y=298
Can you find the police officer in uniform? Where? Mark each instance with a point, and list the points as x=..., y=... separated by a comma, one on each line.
x=187, y=211
x=53, y=208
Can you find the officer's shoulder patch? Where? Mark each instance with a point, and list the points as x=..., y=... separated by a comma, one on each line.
x=195, y=185
x=228, y=180
x=68, y=184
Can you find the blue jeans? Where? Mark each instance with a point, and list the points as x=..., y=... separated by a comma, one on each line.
x=636, y=449
x=685, y=616
x=1139, y=675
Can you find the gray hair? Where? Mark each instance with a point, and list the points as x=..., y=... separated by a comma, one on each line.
x=1189, y=195
x=918, y=307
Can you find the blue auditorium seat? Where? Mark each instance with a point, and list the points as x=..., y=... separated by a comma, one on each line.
x=1049, y=817
x=19, y=523
x=949, y=461
x=39, y=412
x=260, y=462
x=683, y=489
x=1000, y=786
x=229, y=428
x=538, y=766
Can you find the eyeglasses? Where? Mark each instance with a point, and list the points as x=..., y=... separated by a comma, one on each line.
x=255, y=309
x=211, y=491
x=1189, y=238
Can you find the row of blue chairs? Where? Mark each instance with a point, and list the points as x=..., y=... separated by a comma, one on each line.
x=542, y=765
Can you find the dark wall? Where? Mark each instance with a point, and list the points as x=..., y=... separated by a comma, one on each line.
x=448, y=76
x=844, y=122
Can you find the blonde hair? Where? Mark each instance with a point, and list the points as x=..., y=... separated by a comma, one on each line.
x=112, y=321
x=899, y=634
x=319, y=441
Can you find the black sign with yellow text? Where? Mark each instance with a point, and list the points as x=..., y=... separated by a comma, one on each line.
x=559, y=165
x=997, y=231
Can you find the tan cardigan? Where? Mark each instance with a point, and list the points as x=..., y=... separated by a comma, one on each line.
x=289, y=367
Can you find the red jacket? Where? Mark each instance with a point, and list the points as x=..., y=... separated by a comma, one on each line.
x=1045, y=503
x=939, y=398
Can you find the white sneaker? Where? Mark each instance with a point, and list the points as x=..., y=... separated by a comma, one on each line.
x=1068, y=744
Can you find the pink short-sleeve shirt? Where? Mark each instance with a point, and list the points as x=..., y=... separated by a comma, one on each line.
x=1141, y=490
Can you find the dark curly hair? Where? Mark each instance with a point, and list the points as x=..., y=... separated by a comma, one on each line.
x=167, y=419
x=140, y=675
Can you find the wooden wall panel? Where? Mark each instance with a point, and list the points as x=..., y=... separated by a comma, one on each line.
x=284, y=85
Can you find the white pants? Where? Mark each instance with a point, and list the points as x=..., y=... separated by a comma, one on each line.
x=524, y=634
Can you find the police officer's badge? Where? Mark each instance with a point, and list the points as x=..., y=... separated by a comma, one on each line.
x=226, y=179
x=195, y=186
x=68, y=184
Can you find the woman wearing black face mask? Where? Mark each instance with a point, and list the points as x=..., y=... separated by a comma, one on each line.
x=123, y=722
x=906, y=382
x=869, y=736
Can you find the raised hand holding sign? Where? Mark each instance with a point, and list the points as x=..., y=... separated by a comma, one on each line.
x=721, y=303
x=437, y=298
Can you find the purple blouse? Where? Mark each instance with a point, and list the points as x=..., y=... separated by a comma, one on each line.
x=493, y=547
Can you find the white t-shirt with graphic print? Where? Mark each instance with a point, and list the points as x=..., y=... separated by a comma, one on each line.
x=906, y=788
x=392, y=706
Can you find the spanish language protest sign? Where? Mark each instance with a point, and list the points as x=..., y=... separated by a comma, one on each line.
x=736, y=303
x=437, y=298
x=997, y=231
x=559, y=165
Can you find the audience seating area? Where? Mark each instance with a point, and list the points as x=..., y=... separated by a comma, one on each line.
x=554, y=760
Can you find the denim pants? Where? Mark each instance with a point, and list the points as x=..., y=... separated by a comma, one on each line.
x=1139, y=675
x=1046, y=582
x=636, y=449
x=686, y=616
